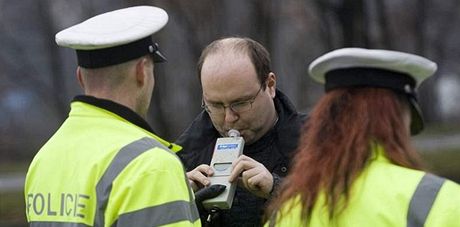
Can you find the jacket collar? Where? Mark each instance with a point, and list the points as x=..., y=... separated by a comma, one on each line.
x=116, y=108
x=285, y=128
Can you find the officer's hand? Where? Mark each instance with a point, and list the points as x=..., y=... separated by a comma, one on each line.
x=198, y=177
x=254, y=176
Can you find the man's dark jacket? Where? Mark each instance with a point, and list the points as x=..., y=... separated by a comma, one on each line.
x=274, y=150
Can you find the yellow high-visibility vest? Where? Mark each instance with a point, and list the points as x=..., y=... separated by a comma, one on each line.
x=385, y=195
x=99, y=169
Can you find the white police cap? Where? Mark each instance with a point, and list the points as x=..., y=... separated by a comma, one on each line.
x=359, y=67
x=115, y=37
x=417, y=67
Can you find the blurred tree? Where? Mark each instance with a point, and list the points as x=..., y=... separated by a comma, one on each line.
x=57, y=89
x=37, y=78
x=439, y=47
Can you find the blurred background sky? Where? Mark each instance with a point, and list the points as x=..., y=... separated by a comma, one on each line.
x=37, y=78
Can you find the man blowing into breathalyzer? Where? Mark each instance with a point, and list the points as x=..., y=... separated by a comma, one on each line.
x=239, y=92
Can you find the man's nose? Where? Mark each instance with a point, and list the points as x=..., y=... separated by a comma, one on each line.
x=230, y=115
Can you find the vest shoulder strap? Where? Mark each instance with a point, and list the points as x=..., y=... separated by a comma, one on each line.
x=423, y=198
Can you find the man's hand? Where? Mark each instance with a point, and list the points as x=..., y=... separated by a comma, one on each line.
x=254, y=176
x=198, y=177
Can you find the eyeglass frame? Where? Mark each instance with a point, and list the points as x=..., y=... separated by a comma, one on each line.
x=231, y=105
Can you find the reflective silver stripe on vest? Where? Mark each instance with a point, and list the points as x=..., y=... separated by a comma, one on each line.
x=192, y=206
x=423, y=199
x=158, y=215
x=120, y=161
x=56, y=224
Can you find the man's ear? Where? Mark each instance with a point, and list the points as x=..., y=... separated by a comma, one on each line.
x=271, y=84
x=141, y=66
x=80, y=78
x=142, y=69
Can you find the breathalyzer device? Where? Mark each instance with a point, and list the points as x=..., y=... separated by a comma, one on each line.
x=227, y=150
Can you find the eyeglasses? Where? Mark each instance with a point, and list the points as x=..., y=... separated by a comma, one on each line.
x=236, y=107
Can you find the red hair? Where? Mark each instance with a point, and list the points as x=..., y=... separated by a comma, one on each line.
x=335, y=145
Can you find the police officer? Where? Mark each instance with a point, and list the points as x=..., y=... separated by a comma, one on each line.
x=355, y=165
x=105, y=166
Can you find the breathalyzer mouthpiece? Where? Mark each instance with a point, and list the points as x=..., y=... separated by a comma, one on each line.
x=233, y=133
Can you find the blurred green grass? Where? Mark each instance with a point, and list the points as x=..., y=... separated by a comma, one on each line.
x=443, y=160
x=445, y=163
x=13, y=167
x=12, y=206
x=12, y=209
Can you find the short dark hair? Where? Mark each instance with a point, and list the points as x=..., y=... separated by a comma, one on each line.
x=259, y=56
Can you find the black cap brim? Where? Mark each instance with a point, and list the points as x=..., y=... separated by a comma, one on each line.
x=118, y=54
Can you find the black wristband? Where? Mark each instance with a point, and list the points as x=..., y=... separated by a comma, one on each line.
x=276, y=183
